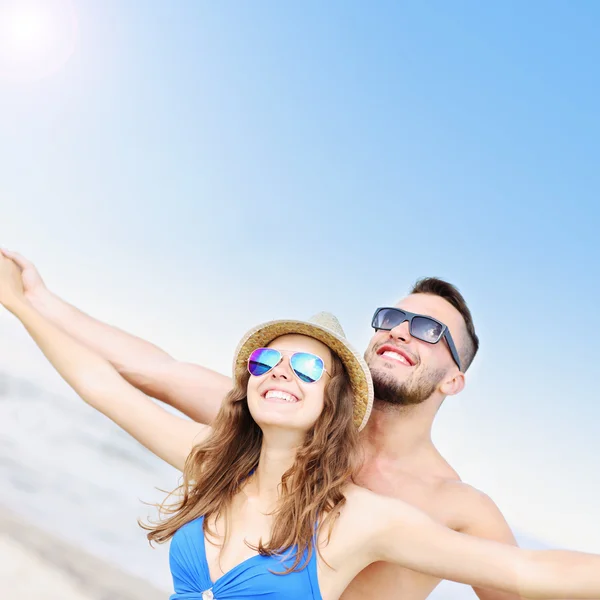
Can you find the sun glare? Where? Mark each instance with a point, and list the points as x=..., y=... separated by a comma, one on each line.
x=36, y=37
x=28, y=28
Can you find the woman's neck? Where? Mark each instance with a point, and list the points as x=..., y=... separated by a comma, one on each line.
x=277, y=455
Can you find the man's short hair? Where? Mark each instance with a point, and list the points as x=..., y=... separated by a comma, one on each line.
x=469, y=344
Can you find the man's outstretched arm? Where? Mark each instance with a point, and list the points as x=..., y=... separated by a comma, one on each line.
x=194, y=390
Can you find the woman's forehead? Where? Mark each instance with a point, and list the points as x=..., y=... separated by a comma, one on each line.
x=300, y=343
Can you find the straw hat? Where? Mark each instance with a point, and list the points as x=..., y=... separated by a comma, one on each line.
x=327, y=329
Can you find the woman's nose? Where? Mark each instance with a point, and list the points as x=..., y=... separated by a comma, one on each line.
x=282, y=370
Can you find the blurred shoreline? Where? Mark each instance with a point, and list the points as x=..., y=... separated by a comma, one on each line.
x=37, y=565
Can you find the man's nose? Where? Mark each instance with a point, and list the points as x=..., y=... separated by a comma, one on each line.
x=401, y=332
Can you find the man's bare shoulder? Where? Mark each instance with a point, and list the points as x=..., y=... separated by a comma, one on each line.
x=473, y=511
x=462, y=506
x=464, y=497
x=433, y=486
x=461, y=492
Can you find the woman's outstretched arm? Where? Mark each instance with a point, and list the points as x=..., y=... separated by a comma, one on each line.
x=402, y=534
x=98, y=383
x=194, y=390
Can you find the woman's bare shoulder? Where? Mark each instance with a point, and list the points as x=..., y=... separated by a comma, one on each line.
x=363, y=501
x=364, y=517
x=360, y=496
x=374, y=508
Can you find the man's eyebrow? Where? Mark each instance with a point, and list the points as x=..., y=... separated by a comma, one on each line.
x=432, y=317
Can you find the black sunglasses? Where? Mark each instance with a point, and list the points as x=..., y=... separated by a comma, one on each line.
x=424, y=328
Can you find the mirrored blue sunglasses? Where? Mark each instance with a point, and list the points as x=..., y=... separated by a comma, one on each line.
x=309, y=368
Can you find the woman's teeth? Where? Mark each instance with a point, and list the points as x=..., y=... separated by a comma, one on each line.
x=280, y=396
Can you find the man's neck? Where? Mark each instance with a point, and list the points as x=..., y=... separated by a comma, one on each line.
x=395, y=432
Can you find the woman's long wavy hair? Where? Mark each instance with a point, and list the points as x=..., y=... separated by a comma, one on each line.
x=311, y=491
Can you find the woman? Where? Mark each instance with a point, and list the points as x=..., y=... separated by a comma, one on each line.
x=267, y=508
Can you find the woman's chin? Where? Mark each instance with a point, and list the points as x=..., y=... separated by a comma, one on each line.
x=274, y=420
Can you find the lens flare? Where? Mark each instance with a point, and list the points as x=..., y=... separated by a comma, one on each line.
x=36, y=38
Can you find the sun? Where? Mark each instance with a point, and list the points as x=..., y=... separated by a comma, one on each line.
x=37, y=37
x=28, y=27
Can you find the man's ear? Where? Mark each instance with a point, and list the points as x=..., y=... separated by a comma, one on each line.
x=454, y=384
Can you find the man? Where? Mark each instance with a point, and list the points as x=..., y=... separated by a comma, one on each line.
x=418, y=356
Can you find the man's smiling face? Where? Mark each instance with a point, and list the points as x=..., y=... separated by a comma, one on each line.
x=407, y=370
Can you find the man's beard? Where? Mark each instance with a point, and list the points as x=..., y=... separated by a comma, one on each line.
x=415, y=390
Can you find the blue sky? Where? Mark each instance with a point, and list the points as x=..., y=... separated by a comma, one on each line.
x=194, y=168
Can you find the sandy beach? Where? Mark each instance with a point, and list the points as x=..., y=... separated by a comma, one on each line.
x=35, y=565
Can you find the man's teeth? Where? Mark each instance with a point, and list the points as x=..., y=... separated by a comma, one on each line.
x=396, y=356
x=281, y=396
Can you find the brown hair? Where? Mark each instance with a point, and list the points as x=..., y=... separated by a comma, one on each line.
x=468, y=346
x=311, y=490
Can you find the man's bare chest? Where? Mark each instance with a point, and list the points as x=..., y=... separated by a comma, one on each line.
x=428, y=493
x=386, y=581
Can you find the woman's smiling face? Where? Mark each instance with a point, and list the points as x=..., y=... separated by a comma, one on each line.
x=279, y=398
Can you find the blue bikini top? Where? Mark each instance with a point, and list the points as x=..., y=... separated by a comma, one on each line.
x=256, y=577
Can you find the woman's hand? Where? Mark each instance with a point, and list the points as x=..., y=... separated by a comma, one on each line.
x=12, y=292
x=34, y=287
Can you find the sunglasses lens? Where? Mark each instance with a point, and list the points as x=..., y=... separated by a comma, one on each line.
x=426, y=329
x=388, y=318
x=262, y=360
x=308, y=367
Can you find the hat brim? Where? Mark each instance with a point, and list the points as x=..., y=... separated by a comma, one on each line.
x=358, y=371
